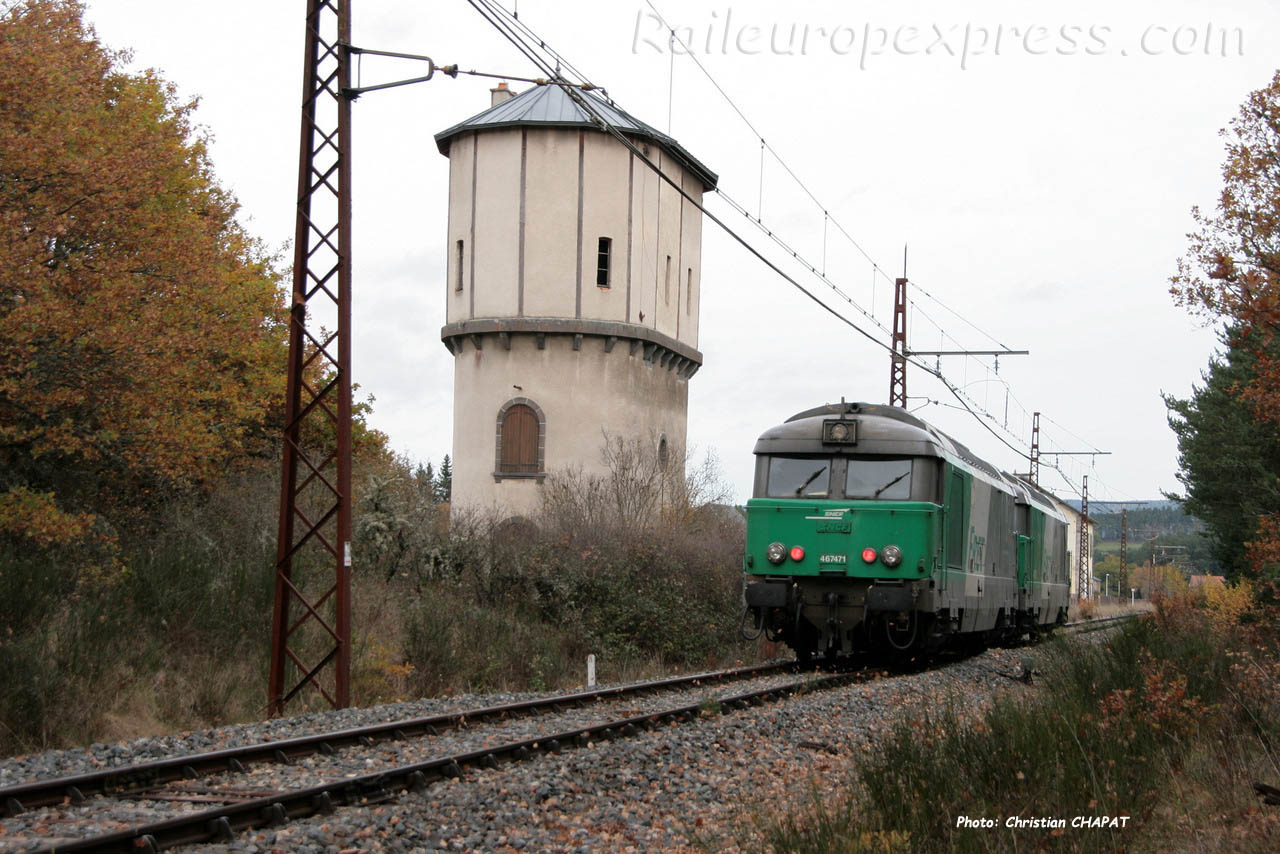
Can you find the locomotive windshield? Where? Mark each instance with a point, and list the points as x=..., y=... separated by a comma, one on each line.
x=799, y=477
x=856, y=478
x=881, y=478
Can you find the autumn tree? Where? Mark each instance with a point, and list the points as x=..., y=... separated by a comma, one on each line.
x=1229, y=460
x=1232, y=268
x=1231, y=273
x=140, y=325
x=1163, y=580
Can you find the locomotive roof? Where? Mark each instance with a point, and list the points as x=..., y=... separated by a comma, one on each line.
x=1029, y=493
x=881, y=430
x=888, y=430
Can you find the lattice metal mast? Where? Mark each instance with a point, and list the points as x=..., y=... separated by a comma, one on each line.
x=898, y=365
x=313, y=557
x=311, y=630
x=1084, y=571
x=1124, y=538
x=1036, y=453
x=1035, y=448
x=898, y=347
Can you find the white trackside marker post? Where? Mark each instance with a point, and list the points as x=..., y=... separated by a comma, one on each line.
x=591, y=671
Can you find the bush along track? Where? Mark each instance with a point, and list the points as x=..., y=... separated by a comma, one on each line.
x=1144, y=740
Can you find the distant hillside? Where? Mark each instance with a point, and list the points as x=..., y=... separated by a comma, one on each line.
x=1100, y=507
x=1146, y=520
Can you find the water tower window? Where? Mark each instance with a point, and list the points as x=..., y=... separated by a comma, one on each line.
x=521, y=439
x=666, y=284
x=688, y=292
x=602, y=262
x=457, y=266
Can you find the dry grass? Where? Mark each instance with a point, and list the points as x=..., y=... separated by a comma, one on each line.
x=1209, y=806
x=1168, y=721
x=1087, y=610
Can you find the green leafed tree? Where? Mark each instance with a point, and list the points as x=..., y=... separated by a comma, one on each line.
x=444, y=480
x=1229, y=460
x=424, y=478
x=1113, y=573
x=140, y=325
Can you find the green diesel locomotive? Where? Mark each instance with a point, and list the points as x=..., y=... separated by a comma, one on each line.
x=871, y=530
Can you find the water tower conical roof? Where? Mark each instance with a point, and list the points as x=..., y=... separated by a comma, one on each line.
x=550, y=105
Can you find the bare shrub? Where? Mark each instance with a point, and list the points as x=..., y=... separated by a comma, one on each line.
x=638, y=565
x=638, y=490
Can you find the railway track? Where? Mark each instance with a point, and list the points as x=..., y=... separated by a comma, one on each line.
x=140, y=777
x=1099, y=623
x=230, y=777
x=217, y=795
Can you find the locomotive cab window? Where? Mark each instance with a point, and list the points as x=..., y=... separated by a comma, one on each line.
x=799, y=477
x=884, y=479
x=891, y=479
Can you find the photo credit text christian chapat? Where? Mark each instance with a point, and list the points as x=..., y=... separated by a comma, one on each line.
x=1041, y=822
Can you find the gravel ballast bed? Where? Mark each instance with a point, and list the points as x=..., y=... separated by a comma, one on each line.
x=97, y=757
x=656, y=791
x=102, y=815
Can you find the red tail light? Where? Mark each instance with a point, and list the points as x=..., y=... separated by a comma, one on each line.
x=797, y=553
x=869, y=555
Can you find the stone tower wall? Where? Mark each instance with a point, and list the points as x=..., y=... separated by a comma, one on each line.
x=527, y=321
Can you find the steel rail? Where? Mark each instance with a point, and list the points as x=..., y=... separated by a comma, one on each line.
x=1098, y=623
x=222, y=823
x=134, y=778
x=137, y=779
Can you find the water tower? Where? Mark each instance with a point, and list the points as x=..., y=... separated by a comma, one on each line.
x=572, y=290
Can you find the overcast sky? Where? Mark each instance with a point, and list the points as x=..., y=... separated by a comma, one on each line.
x=1040, y=159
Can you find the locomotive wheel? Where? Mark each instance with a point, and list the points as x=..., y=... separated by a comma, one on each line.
x=804, y=640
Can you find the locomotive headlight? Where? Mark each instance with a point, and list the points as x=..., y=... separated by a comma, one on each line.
x=776, y=553
x=840, y=432
x=891, y=556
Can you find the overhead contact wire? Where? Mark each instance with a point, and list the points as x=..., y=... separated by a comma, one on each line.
x=484, y=7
